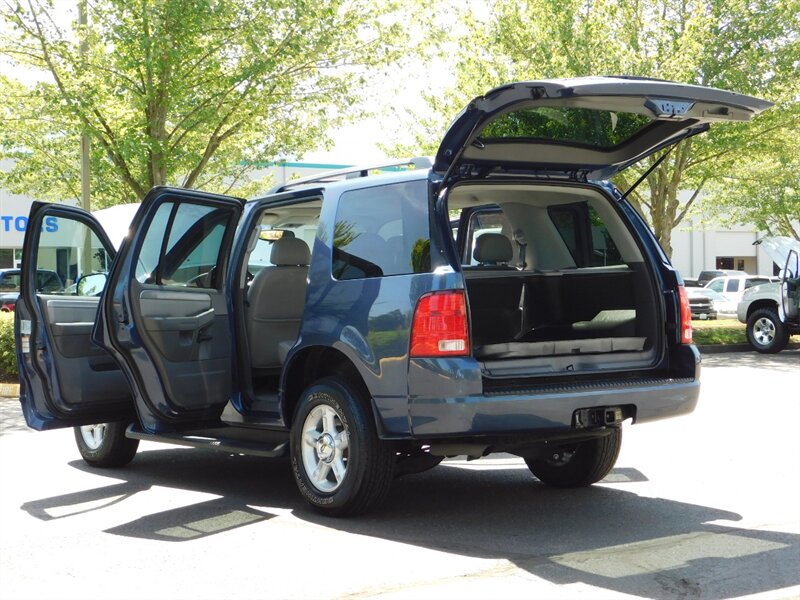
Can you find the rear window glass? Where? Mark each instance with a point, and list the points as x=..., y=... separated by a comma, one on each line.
x=581, y=126
x=382, y=231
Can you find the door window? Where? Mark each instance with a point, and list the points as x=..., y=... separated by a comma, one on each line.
x=183, y=244
x=733, y=285
x=72, y=260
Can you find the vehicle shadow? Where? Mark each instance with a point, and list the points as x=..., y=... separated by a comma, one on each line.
x=603, y=536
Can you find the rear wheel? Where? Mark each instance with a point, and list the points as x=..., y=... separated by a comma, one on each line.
x=340, y=465
x=105, y=444
x=578, y=465
x=766, y=332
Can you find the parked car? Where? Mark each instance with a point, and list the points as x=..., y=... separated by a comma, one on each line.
x=701, y=303
x=706, y=276
x=46, y=281
x=770, y=310
x=375, y=342
x=733, y=287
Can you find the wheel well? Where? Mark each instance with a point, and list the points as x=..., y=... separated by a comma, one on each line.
x=754, y=306
x=315, y=363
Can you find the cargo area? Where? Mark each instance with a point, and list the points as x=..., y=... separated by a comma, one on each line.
x=555, y=280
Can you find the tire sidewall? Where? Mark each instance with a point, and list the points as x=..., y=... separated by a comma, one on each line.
x=114, y=449
x=781, y=335
x=341, y=399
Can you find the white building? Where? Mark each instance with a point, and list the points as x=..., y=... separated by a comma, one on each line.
x=696, y=248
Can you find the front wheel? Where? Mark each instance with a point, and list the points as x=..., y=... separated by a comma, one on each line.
x=580, y=464
x=340, y=465
x=105, y=445
x=766, y=332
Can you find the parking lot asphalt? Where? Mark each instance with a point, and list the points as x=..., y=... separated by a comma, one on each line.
x=703, y=506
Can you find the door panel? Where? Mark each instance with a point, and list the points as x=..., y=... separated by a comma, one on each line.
x=166, y=315
x=66, y=378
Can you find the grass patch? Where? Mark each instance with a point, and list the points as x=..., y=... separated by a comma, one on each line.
x=719, y=331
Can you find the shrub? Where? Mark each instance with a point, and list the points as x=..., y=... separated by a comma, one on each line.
x=8, y=357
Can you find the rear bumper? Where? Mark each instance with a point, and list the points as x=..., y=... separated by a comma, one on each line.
x=529, y=411
x=483, y=415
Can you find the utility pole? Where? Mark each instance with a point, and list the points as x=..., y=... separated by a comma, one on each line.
x=86, y=203
x=84, y=263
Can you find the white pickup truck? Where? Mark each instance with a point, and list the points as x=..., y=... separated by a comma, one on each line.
x=771, y=310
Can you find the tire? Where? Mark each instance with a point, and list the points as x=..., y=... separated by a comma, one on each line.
x=340, y=465
x=104, y=445
x=766, y=332
x=578, y=465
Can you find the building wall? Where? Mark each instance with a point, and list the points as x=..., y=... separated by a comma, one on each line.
x=698, y=249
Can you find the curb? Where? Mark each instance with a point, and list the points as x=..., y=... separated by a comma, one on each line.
x=9, y=391
x=726, y=348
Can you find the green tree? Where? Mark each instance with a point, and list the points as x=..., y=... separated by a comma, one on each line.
x=763, y=189
x=748, y=46
x=193, y=93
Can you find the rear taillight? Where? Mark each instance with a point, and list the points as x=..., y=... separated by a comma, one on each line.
x=440, y=326
x=686, y=316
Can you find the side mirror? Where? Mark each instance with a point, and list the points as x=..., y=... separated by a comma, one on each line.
x=91, y=284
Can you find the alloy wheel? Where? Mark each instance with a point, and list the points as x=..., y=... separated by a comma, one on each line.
x=764, y=331
x=325, y=448
x=93, y=435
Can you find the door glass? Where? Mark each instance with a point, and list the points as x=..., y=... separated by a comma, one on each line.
x=733, y=285
x=151, y=249
x=71, y=260
x=194, y=234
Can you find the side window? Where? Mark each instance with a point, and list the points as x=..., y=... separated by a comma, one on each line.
x=71, y=260
x=585, y=235
x=183, y=244
x=733, y=285
x=567, y=220
x=603, y=249
x=382, y=231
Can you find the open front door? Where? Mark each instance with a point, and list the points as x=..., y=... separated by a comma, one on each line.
x=165, y=316
x=65, y=379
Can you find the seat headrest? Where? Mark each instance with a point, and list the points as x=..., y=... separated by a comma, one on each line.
x=289, y=251
x=493, y=248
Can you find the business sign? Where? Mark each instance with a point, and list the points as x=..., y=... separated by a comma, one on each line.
x=14, y=222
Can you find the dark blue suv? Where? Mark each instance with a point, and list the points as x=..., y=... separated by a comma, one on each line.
x=500, y=298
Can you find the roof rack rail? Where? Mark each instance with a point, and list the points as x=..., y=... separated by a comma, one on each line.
x=419, y=162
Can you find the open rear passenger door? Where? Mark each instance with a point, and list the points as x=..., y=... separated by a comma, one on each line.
x=165, y=316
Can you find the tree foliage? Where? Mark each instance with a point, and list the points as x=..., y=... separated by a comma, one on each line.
x=748, y=46
x=763, y=190
x=193, y=93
